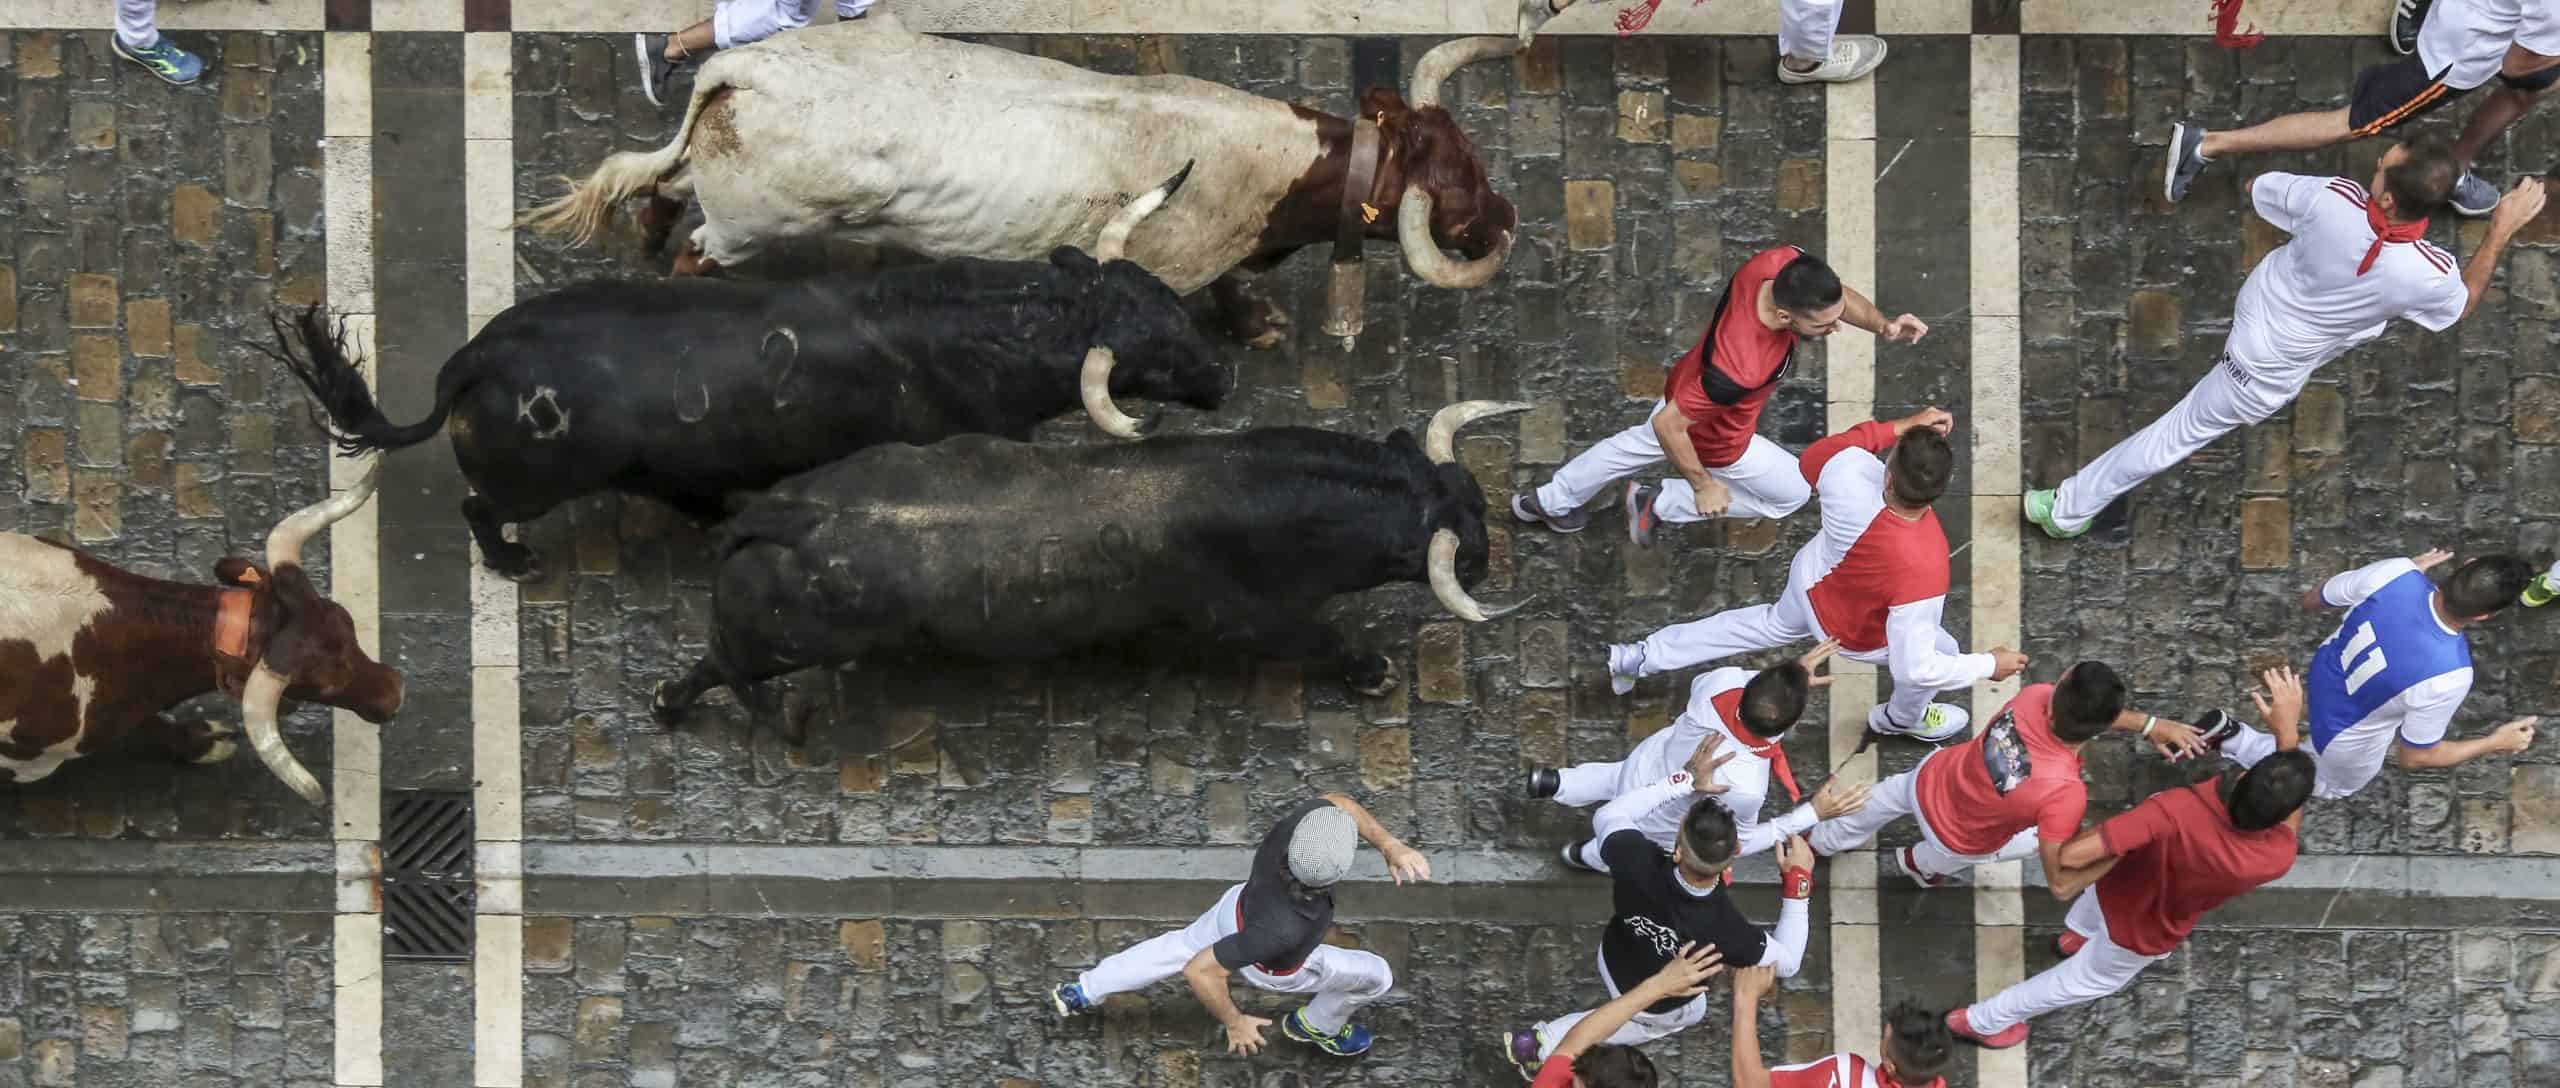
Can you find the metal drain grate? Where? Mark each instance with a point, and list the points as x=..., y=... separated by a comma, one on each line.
x=427, y=883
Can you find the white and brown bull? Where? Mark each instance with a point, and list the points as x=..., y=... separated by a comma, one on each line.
x=867, y=131
x=90, y=653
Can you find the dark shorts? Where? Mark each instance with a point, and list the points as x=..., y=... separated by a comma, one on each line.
x=2388, y=95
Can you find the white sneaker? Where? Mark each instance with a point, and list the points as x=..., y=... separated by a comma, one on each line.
x=1852, y=57
x=1625, y=664
x=1943, y=721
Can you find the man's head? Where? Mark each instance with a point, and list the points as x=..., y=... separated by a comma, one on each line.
x=2086, y=701
x=1774, y=699
x=1612, y=1066
x=1918, y=1047
x=2415, y=178
x=1807, y=295
x=1707, y=842
x=2264, y=795
x=1917, y=470
x=2482, y=587
x=1321, y=847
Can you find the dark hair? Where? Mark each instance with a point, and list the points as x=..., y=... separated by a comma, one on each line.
x=1918, y=1043
x=1805, y=285
x=2264, y=795
x=2485, y=585
x=1923, y=462
x=2423, y=182
x=1708, y=833
x=1774, y=699
x=2086, y=701
x=1610, y=1065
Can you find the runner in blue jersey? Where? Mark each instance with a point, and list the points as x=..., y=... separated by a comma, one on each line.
x=2393, y=673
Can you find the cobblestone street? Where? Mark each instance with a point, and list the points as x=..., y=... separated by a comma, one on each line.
x=889, y=905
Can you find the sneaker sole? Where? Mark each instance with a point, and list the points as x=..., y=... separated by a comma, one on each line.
x=2177, y=154
x=1536, y=519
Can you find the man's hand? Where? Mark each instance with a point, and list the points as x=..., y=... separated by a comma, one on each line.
x=2285, y=711
x=1813, y=659
x=1406, y=863
x=2175, y=740
x=1795, y=853
x=2515, y=736
x=1703, y=763
x=1687, y=973
x=2518, y=207
x=2006, y=662
x=2430, y=557
x=1911, y=329
x=1750, y=984
x=1936, y=419
x=1244, y=1034
x=1837, y=798
x=1713, y=496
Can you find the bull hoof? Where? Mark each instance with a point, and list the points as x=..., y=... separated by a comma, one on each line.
x=668, y=714
x=224, y=743
x=527, y=572
x=1373, y=676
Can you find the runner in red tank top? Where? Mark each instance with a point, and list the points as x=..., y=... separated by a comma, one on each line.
x=1705, y=424
x=1918, y=1048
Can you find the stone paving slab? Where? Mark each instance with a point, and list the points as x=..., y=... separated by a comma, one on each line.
x=155, y=1000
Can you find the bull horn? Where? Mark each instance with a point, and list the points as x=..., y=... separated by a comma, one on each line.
x=1440, y=441
x=1095, y=383
x=1115, y=234
x=1422, y=251
x=258, y=700
x=1446, y=58
x=284, y=545
x=1444, y=582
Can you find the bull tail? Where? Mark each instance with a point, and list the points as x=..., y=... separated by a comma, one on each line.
x=587, y=208
x=317, y=354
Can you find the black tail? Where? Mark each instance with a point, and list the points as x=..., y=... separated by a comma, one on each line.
x=334, y=381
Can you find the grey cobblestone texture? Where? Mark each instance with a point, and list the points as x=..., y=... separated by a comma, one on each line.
x=144, y=231
x=2413, y=442
x=145, y=1001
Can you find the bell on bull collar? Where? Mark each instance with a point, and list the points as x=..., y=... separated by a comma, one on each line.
x=1348, y=311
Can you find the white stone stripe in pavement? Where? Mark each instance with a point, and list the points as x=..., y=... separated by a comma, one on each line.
x=1849, y=180
x=1998, y=912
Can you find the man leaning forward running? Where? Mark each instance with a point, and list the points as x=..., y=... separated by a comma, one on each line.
x=1874, y=579
x=2357, y=261
x=1270, y=930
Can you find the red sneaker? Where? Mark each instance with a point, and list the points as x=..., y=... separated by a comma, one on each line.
x=1957, y=1023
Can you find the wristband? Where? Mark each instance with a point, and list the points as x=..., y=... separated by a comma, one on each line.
x=2149, y=720
x=1796, y=883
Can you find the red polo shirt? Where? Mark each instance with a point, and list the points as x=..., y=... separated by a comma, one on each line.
x=1721, y=383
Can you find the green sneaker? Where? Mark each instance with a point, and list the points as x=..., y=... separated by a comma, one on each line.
x=2539, y=591
x=163, y=59
x=2039, y=511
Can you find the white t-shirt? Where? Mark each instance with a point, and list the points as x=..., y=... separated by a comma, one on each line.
x=2305, y=305
x=2464, y=42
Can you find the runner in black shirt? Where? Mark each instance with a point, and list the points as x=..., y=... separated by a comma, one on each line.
x=1270, y=930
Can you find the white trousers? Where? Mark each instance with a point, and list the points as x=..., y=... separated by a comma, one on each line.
x=136, y=25
x=2331, y=779
x=1758, y=627
x=739, y=22
x=1650, y=761
x=1895, y=798
x=1342, y=979
x=1805, y=28
x=2101, y=967
x=1765, y=480
x=1640, y=1029
x=2227, y=399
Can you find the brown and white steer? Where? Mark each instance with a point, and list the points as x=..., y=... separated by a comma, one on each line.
x=90, y=653
x=867, y=131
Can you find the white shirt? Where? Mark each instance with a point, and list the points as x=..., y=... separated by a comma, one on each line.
x=2464, y=42
x=2421, y=713
x=1659, y=805
x=2305, y=305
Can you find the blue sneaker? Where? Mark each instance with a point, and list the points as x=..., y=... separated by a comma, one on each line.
x=1351, y=1041
x=163, y=58
x=1069, y=999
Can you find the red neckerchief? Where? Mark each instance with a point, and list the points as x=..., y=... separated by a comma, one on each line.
x=2384, y=231
x=231, y=622
x=2226, y=26
x=1728, y=706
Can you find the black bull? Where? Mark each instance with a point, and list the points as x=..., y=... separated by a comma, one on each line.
x=690, y=391
x=1001, y=551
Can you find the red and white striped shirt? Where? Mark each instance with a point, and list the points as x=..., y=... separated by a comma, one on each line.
x=1874, y=579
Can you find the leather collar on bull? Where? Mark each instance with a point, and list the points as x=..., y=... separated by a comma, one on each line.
x=1347, y=312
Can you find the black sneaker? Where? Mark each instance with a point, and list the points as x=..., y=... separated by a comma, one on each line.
x=1544, y=782
x=1524, y=506
x=2406, y=17
x=2215, y=726
x=1573, y=856
x=655, y=68
x=2186, y=160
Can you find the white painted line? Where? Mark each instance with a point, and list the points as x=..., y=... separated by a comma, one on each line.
x=445, y=15
x=1992, y=194
x=1927, y=17
x=359, y=1000
x=497, y=1008
x=488, y=243
x=497, y=763
x=1857, y=1010
x=198, y=15
x=2273, y=18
